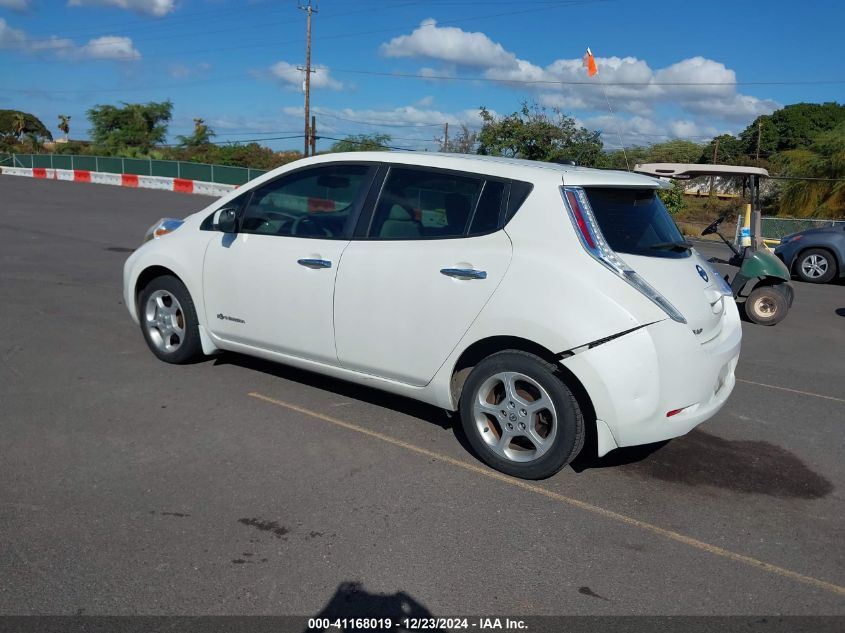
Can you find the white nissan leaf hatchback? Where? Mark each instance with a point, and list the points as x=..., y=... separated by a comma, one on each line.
x=541, y=301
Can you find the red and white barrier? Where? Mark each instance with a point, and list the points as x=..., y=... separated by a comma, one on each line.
x=123, y=180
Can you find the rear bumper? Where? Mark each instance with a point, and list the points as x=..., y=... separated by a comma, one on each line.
x=633, y=381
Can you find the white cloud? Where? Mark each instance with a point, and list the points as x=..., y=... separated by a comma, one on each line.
x=109, y=47
x=435, y=74
x=157, y=8
x=183, y=71
x=640, y=130
x=425, y=101
x=16, y=5
x=449, y=44
x=699, y=87
x=405, y=115
x=291, y=76
x=411, y=126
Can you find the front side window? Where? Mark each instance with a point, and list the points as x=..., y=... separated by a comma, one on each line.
x=635, y=221
x=418, y=204
x=315, y=202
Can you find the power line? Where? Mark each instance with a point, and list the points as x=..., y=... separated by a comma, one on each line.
x=392, y=29
x=405, y=124
x=238, y=141
x=349, y=140
x=550, y=82
x=560, y=82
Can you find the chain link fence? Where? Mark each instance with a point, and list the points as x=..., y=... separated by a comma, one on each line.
x=222, y=174
x=776, y=228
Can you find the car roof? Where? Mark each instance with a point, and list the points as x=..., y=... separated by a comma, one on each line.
x=501, y=166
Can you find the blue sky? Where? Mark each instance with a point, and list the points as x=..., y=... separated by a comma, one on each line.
x=666, y=69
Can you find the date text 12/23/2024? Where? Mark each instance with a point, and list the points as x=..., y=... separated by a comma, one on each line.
x=417, y=624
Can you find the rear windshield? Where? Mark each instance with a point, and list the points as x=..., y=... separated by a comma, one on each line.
x=635, y=221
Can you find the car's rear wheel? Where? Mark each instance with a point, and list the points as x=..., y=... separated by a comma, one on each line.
x=816, y=266
x=169, y=320
x=519, y=417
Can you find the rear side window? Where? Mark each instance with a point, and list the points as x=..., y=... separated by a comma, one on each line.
x=488, y=210
x=418, y=204
x=635, y=221
x=519, y=192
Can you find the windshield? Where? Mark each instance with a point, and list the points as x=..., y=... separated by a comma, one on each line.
x=635, y=221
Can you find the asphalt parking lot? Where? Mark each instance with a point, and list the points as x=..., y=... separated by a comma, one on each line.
x=234, y=486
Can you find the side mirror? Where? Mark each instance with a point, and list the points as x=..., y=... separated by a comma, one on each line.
x=226, y=220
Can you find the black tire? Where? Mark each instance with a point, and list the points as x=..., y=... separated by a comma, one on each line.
x=566, y=418
x=818, y=262
x=766, y=305
x=185, y=347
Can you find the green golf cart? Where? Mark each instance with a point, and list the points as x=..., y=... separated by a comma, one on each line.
x=762, y=280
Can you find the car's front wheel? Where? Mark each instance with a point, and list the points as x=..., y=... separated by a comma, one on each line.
x=816, y=266
x=519, y=417
x=169, y=320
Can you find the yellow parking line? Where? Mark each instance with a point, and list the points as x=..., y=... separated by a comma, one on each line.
x=803, y=393
x=583, y=505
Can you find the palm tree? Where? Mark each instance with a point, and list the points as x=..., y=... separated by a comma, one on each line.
x=64, y=124
x=202, y=135
x=19, y=124
x=822, y=192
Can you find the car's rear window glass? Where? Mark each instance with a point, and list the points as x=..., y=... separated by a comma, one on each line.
x=635, y=221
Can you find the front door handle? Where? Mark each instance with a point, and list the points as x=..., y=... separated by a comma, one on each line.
x=464, y=273
x=314, y=263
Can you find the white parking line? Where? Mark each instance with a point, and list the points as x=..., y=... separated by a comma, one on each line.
x=803, y=393
x=570, y=501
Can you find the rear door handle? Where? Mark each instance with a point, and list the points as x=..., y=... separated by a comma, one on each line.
x=314, y=263
x=464, y=273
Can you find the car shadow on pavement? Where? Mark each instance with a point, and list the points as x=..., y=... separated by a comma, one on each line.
x=840, y=312
x=351, y=601
x=407, y=406
x=702, y=459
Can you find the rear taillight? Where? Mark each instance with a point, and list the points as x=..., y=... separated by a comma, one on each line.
x=580, y=223
x=593, y=241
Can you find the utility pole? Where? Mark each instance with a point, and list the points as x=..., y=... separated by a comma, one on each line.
x=313, y=135
x=446, y=136
x=307, y=84
x=759, y=135
x=715, y=158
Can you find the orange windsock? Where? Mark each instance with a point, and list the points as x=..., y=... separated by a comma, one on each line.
x=590, y=63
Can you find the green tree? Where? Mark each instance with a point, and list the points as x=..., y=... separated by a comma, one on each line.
x=18, y=123
x=64, y=124
x=537, y=134
x=202, y=135
x=729, y=151
x=464, y=142
x=136, y=126
x=673, y=198
x=362, y=143
x=792, y=127
x=673, y=151
x=825, y=161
